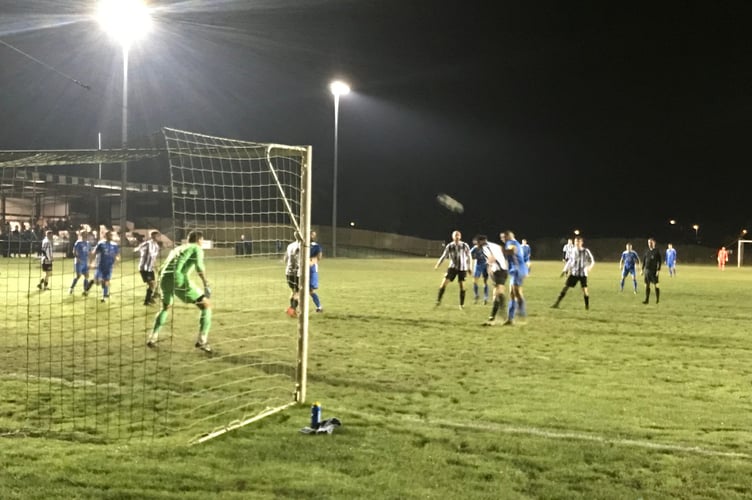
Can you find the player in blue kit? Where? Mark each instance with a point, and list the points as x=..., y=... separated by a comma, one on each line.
x=517, y=272
x=628, y=265
x=526, y=253
x=316, y=256
x=480, y=268
x=108, y=253
x=671, y=260
x=81, y=251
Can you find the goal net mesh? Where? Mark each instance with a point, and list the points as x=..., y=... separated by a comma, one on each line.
x=73, y=365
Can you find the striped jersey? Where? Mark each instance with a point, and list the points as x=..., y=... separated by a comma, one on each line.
x=292, y=259
x=495, y=258
x=149, y=251
x=46, y=251
x=458, y=254
x=579, y=262
x=568, y=250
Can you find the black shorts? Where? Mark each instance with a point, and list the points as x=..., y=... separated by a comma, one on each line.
x=651, y=277
x=47, y=267
x=293, y=282
x=500, y=277
x=453, y=272
x=573, y=280
x=147, y=276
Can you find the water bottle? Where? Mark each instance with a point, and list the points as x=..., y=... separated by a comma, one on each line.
x=315, y=415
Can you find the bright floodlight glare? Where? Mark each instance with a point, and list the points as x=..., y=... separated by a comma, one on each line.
x=124, y=20
x=339, y=88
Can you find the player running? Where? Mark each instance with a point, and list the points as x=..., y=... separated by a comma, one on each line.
x=628, y=265
x=174, y=280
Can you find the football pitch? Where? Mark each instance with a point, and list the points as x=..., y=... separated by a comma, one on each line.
x=624, y=400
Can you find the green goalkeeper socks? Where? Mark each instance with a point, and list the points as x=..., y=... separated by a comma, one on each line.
x=204, y=322
x=159, y=321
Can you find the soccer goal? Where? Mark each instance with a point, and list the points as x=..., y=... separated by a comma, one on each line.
x=249, y=200
x=740, y=251
x=75, y=365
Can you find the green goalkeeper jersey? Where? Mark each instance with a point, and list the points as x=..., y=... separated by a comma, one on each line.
x=182, y=260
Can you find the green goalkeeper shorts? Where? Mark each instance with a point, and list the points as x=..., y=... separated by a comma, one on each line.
x=183, y=289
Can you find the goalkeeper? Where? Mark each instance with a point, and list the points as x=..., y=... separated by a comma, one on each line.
x=175, y=282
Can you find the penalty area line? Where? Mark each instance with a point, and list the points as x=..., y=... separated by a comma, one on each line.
x=559, y=435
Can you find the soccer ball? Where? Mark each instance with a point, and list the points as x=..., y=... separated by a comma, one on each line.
x=449, y=203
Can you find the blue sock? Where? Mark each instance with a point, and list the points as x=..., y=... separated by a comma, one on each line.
x=521, y=306
x=510, y=311
x=635, y=285
x=105, y=291
x=485, y=291
x=622, y=284
x=315, y=297
x=86, y=284
x=475, y=289
x=73, y=285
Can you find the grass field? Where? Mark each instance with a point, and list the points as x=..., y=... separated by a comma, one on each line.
x=622, y=401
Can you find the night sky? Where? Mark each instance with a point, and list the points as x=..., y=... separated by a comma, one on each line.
x=541, y=117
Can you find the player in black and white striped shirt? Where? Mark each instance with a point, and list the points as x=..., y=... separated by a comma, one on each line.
x=149, y=251
x=46, y=256
x=578, y=265
x=460, y=262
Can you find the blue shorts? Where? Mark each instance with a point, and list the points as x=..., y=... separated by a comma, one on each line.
x=103, y=274
x=81, y=268
x=515, y=279
x=630, y=270
x=480, y=270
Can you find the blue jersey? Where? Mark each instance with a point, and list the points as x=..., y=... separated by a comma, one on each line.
x=516, y=260
x=107, y=251
x=525, y=253
x=315, y=249
x=476, y=253
x=629, y=258
x=81, y=250
x=670, y=256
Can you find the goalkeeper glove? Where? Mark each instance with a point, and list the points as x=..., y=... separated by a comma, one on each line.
x=207, y=291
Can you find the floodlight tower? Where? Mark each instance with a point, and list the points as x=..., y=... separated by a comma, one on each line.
x=126, y=21
x=338, y=88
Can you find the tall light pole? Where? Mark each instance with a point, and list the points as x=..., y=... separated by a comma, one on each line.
x=338, y=88
x=126, y=21
x=696, y=227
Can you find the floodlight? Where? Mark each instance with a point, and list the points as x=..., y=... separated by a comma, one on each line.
x=339, y=88
x=124, y=20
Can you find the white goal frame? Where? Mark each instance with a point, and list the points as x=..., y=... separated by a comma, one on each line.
x=740, y=251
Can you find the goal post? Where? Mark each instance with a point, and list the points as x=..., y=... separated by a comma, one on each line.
x=740, y=251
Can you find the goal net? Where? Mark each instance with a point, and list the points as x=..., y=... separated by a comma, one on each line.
x=248, y=200
x=73, y=365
